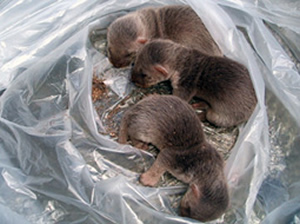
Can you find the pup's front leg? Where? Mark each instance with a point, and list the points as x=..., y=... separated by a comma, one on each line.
x=183, y=93
x=152, y=176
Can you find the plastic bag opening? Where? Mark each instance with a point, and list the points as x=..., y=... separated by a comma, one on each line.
x=57, y=167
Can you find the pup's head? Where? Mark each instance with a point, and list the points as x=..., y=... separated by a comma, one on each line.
x=204, y=204
x=124, y=37
x=152, y=63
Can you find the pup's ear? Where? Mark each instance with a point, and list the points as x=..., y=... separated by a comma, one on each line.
x=195, y=190
x=142, y=40
x=161, y=69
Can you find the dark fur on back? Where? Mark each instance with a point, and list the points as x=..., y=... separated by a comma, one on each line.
x=172, y=126
x=223, y=84
x=182, y=25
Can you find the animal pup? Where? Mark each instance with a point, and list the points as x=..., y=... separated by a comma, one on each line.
x=223, y=85
x=179, y=23
x=173, y=127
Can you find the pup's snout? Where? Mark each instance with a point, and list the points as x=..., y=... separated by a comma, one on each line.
x=117, y=63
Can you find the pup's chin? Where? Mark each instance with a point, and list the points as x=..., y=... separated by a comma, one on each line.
x=118, y=64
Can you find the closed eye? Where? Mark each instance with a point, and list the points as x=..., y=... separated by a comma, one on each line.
x=143, y=75
x=128, y=55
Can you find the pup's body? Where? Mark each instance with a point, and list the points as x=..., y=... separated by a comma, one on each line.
x=179, y=23
x=223, y=85
x=172, y=126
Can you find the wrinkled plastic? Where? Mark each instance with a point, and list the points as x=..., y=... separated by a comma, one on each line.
x=57, y=167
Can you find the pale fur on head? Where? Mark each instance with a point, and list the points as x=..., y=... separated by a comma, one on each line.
x=125, y=36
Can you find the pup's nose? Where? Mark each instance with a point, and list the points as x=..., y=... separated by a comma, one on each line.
x=117, y=64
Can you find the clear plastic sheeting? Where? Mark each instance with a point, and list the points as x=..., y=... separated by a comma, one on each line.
x=57, y=163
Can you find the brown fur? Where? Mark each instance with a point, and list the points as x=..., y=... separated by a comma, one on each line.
x=223, y=85
x=180, y=23
x=172, y=126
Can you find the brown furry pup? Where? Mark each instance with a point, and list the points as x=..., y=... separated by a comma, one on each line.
x=172, y=126
x=179, y=23
x=223, y=85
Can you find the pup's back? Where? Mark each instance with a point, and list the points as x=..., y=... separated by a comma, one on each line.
x=165, y=121
x=182, y=25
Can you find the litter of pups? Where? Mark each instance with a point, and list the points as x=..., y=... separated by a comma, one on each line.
x=158, y=50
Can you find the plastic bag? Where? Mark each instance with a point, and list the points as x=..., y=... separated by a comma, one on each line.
x=57, y=167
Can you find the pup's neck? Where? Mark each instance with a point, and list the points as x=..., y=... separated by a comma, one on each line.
x=152, y=27
x=187, y=63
